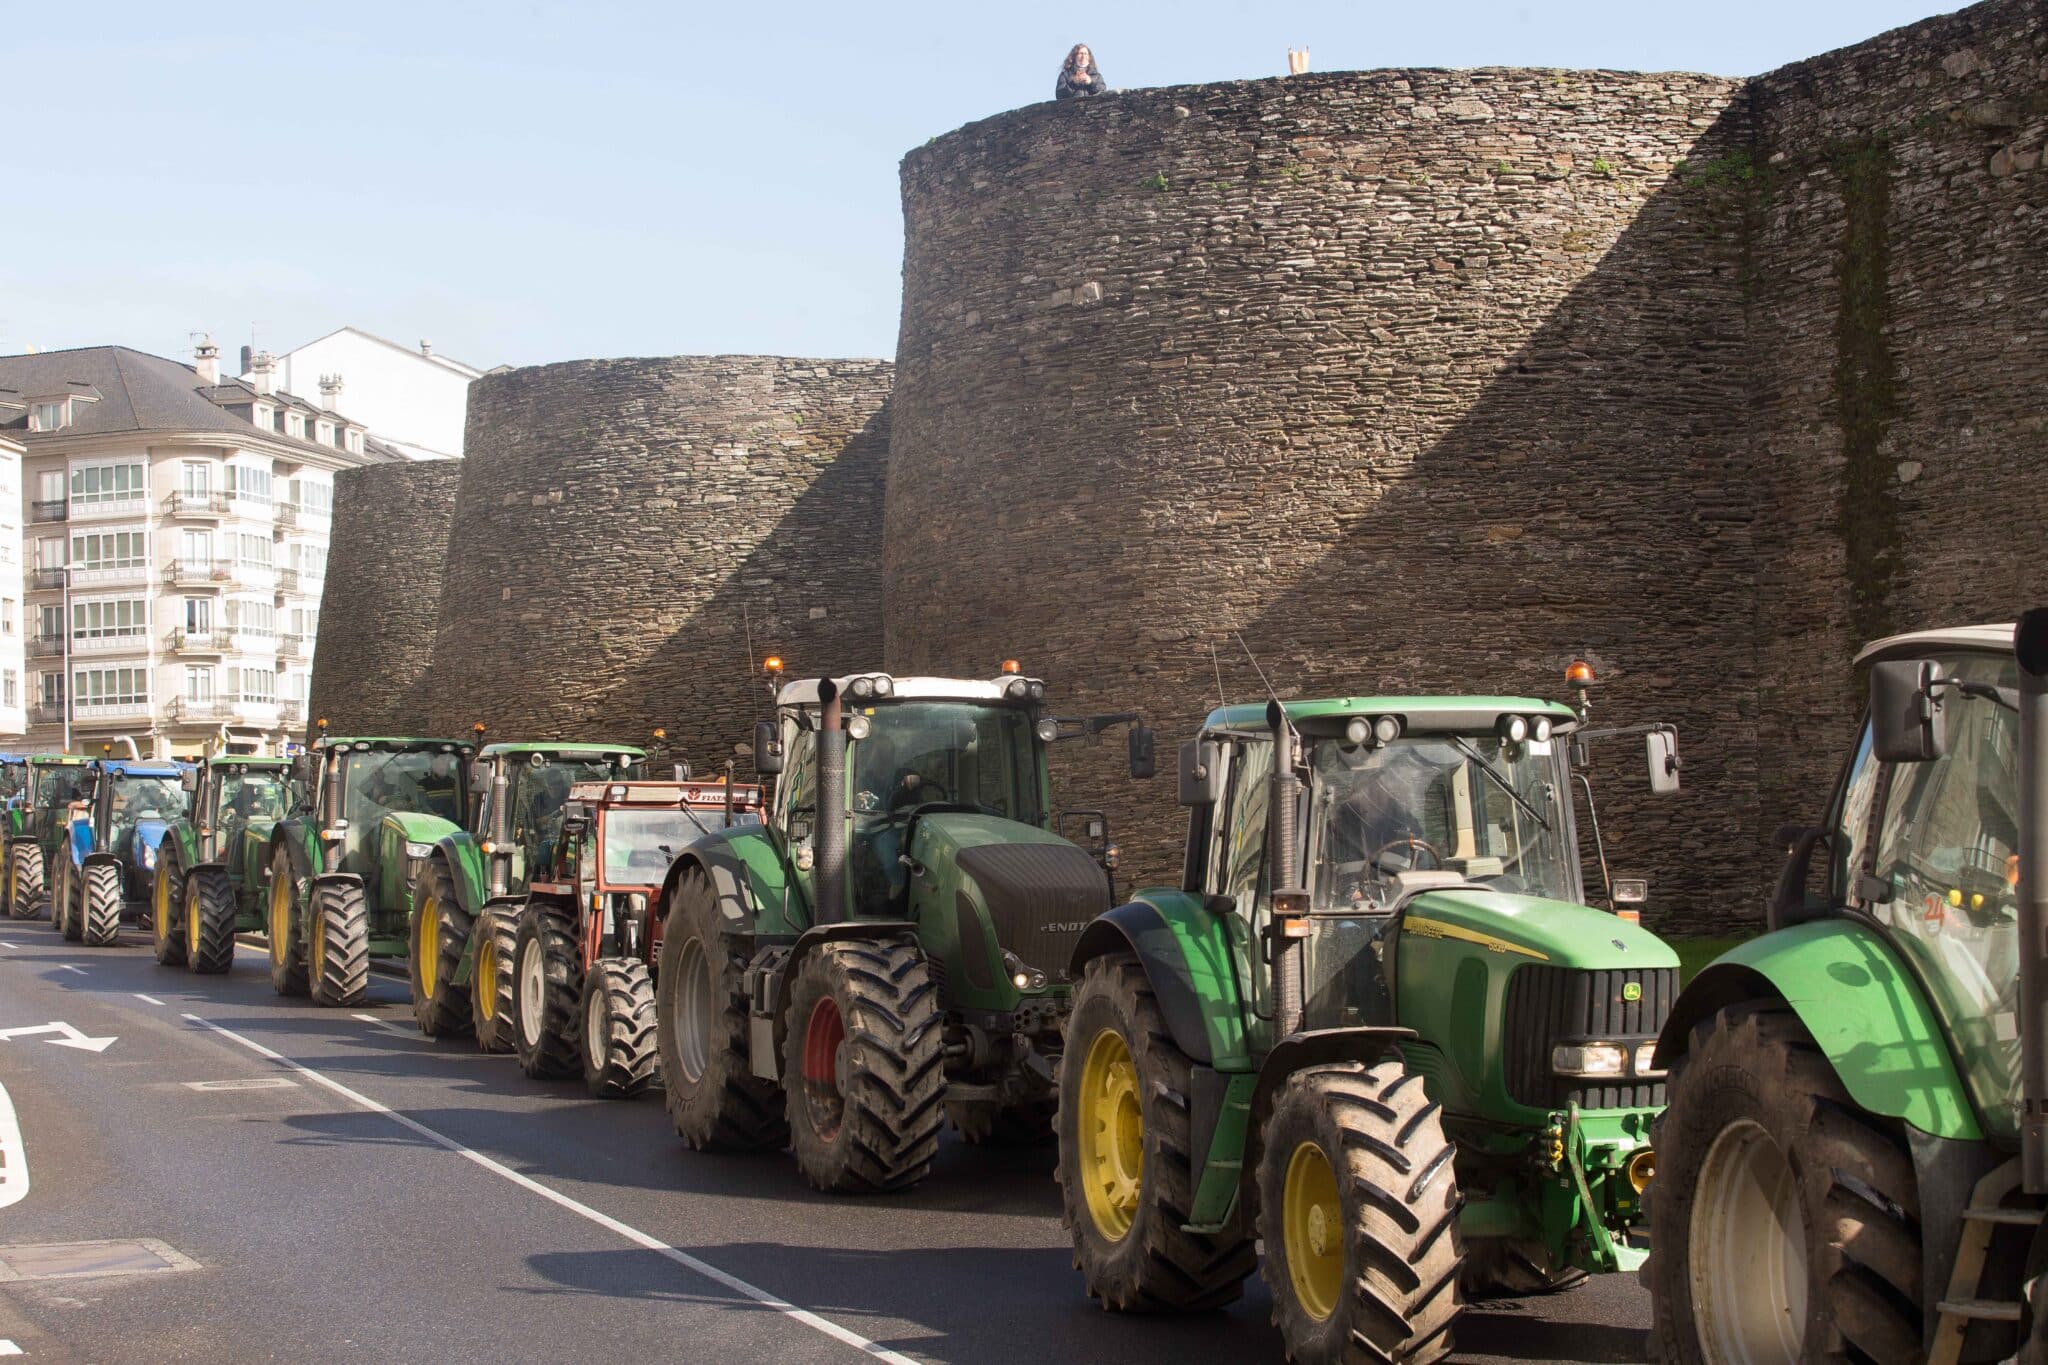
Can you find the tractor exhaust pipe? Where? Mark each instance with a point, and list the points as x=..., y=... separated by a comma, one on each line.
x=2030, y=648
x=828, y=872
x=500, y=832
x=1290, y=901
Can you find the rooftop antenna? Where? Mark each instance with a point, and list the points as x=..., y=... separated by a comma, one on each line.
x=1255, y=667
x=1216, y=662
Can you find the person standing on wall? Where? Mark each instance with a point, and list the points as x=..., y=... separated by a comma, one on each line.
x=1079, y=76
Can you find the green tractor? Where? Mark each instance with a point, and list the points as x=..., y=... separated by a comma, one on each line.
x=585, y=942
x=213, y=867
x=42, y=786
x=467, y=889
x=1377, y=1026
x=342, y=861
x=1854, y=1164
x=886, y=949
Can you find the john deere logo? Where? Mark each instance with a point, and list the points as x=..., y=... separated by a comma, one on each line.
x=1632, y=992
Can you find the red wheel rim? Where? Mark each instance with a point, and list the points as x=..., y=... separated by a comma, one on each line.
x=822, y=1037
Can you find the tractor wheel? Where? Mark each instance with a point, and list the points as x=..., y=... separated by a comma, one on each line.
x=547, y=1017
x=1784, y=1220
x=863, y=1067
x=26, y=892
x=491, y=976
x=210, y=922
x=102, y=895
x=287, y=945
x=986, y=1124
x=619, y=1045
x=714, y=1098
x=338, y=958
x=1358, y=1207
x=1496, y=1267
x=1125, y=1170
x=70, y=916
x=440, y=933
x=166, y=917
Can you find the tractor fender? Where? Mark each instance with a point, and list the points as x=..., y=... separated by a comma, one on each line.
x=749, y=877
x=321, y=879
x=180, y=844
x=465, y=859
x=78, y=838
x=296, y=841
x=1864, y=1008
x=1189, y=960
x=102, y=858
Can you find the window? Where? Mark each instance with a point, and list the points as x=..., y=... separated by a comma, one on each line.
x=50, y=486
x=110, y=686
x=326, y=433
x=50, y=553
x=50, y=690
x=196, y=548
x=305, y=621
x=295, y=425
x=252, y=684
x=355, y=442
x=313, y=495
x=199, y=615
x=254, y=550
x=199, y=684
x=6, y=616
x=51, y=624
x=108, y=483
x=249, y=616
x=196, y=479
x=111, y=550
x=309, y=560
x=262, y=415
x=109, y=620
x=50, y=416
x=248, y=481
x=10, y=688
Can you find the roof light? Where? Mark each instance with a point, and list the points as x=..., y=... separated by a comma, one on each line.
x=1539, y=729
x=861, y=688
x=1513, y=729
x=885, y=686
x=1017, y=689
x=1580, y=674
x=1386, y=729
x=1012, y=666
x=772, y=664
x=661, y=732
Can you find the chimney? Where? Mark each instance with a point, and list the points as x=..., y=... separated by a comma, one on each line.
x=248, y=359
x=330, y=392
x=263, y=369
x=426, y=347
x=206, y=360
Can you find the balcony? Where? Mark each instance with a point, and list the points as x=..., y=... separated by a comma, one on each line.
x=287, y=580
x=213, y=710
x=291, y=712
x=86, y=576
x=55, y=509
x=45, y=578
x=197, y=642
x=199, y=503
x=44, y=647
x=199, y=573
x=124, y=643
x=287, y=517
x=130, y=708
x=46, y=713
x=291, y=646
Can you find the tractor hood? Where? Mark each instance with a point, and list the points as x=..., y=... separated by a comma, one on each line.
x=1034, y=891
x=1535, y=929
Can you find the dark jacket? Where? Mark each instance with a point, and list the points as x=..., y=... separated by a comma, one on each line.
x=1088, y=82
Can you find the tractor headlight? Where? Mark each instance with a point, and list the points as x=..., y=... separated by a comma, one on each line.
x=1646, y=1060
x=857, y=727
x=1017, y=689
x=861, y=688
x=413, y=850
x=1047, y=730
x=1037, y=690
x=1356, y=730
x=1513, y=729
x=1539, y=729
x=149, y=855
x=1386, y=729
x=1589, y=1059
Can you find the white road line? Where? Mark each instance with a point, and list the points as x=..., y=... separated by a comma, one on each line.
x=6, y=945
x=150, y=998
x=67, y=967
x=13, y=1156
x=8, y=1348
x=581, y=1210
x=390, y=1028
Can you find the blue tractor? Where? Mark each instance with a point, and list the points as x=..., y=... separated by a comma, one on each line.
x=112, y=836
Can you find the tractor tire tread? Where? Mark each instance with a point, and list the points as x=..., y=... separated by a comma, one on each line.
x=101, y=920
x=632, y=1049
x=446, y=1012
x=557, y=1051
x=730, y=1108
x=210, y=894
x=341, y=976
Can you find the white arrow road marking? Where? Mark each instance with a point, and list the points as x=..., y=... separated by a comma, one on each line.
x=8, y=1348
x=72, y=1037
x=13, y=1157
x=150, y=998
x=581, y=1210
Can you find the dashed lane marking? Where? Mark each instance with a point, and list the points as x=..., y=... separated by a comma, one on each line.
x=8, y=1348
x=387, y=1026
x=632, y=1234
x=150, y=998
x=67, y=967
x=13, y=1155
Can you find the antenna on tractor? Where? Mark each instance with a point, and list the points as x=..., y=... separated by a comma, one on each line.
x=1216, y=662
x=1263, y=681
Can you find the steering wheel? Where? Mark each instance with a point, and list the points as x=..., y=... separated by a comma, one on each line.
x=1411, y=843
x=919, y=795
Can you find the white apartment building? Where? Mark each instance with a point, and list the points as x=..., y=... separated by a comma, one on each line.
x=176, y=530
x=415, y=401
x=13, y=681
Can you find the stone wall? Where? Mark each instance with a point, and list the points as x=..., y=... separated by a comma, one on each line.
x=625, y=525
x=382, y=599
x=1415, y=380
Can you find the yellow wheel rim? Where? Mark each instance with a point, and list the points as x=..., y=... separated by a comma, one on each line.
x=316, y=955
x=428, y=949
x=280, y=915
x=160, y=913
x=1312, y=1227
x=191, y=925
x=1111, y=1132
x=487, y=975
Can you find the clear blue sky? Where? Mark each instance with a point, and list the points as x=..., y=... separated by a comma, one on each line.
x=523, y=182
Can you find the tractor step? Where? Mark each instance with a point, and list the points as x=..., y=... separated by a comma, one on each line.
x=1981, y=1310
x=2015, y=1217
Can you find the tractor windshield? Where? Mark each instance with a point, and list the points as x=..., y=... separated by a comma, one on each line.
x=13, y=779
x=639, y=845
x=1475, y=805
x=539, y=792
x=144, y=798
x=255, y=795
x=1946, y=857
x=57, y=784
x=412, y=781
x=957, y=753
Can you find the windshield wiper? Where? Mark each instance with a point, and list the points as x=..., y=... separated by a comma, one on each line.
x=1499, y=781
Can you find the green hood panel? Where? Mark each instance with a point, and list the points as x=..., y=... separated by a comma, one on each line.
x=964, y=829
x=1536, y=929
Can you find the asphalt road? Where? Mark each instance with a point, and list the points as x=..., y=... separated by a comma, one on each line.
x=380, y=1196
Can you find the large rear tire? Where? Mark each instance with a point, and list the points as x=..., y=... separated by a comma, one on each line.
x=338, y=958
x=103, y=898
x=1125, y=1170
x=1784, y=1220
x=863, y=1067
x=26, y=893
x=547, y=998
x=210, y=921
x=714, y=1099
x=285, y=922
x=491, y=977
x=70, y=896
x=1358, y=1208
x=619, y=1035
x=440, y=933
x=166, y=914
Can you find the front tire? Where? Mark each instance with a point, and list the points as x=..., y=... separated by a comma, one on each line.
x=287, y=944
x=210, y=922
x=338, y=958
x=619, y=1042
x=714, y=1099
x=166, y=920
x=103, y=903
x=546, y=1014
x=440, y=932
x=863, y=1067
x=1784, y=1220
x=491, y=977
x=1126, y=1172
x=26, y=892
x=1358, y=1207
x=70, y=917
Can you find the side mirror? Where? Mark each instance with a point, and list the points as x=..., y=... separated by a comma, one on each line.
x=1144, y=763
x=1201, y=772
x=1908, y=723
x=767, y=749
x=189, y=780
x=1662, y=749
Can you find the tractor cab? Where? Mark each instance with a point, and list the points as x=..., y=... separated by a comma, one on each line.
x=113, y=832
x=43, y=788
x=519, y=792
x=14, y=783
x=237, y=795
x=54, y=782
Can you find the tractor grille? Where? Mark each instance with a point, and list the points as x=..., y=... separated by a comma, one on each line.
x=1551, y=1005
x=1040, y=897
